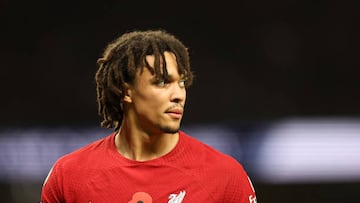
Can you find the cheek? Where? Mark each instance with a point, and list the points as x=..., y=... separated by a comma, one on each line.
x=155, y=102
x=150, y=101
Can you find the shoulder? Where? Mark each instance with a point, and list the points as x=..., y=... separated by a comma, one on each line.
x=209, y=155
x=82, y=156
x=72, y=169
x=219, y=170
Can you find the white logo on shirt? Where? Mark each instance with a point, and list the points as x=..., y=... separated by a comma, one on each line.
x=177, y=198
x=252, y=199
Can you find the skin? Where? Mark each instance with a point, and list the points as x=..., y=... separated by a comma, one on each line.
x=153, y=111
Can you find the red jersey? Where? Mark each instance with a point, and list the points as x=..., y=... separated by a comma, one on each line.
x=192, y=172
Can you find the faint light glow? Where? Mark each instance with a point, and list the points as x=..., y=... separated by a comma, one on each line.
x=310, y=151
x=219, y=137
x=28, y=154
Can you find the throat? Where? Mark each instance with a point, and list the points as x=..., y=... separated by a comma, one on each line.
x=145, y=148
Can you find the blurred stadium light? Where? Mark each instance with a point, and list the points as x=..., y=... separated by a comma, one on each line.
x=291, y=151
x=311, y=150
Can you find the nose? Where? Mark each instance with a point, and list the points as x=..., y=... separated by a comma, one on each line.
x=178, y=93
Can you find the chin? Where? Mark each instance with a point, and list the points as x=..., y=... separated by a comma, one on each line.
x=170, y=130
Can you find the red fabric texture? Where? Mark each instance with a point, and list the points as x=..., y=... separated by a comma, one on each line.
x=191, y=172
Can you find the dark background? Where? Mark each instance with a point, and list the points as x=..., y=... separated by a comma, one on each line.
x=253, y=60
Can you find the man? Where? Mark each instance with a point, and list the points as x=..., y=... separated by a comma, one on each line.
x=141, y=92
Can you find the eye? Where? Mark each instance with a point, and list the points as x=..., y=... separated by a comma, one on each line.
x=160, y=83
x=182, y=83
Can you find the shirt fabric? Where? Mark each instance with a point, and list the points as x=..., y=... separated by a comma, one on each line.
x=192, y=172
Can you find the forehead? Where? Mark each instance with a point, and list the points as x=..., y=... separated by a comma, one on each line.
x=164, y=65
x=169, y=58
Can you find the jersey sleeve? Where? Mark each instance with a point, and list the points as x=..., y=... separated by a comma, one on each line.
x=51, y=190
x=240, y=188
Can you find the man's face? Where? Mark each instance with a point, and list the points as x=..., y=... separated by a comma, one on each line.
x=156, y=106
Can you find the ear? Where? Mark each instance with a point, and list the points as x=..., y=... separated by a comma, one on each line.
x=127, y=96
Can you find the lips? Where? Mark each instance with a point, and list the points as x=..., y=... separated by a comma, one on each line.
x=175, y=112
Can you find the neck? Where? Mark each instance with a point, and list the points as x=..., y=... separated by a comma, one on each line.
x=142, y=146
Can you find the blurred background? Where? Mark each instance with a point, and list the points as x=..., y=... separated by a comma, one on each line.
x=276, y=87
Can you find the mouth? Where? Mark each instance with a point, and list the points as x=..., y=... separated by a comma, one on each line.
x=175, y=113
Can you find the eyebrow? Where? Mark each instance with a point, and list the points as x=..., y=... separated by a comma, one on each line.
x=168, y=76
x=171, y=77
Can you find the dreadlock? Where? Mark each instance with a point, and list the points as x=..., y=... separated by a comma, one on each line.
x=123, y=58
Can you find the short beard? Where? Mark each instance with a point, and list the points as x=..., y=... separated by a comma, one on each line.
x=167, y=129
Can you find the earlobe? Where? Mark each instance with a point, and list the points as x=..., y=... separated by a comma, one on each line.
x=127, y=97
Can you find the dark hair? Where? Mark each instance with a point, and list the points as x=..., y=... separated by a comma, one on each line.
x=124, y=57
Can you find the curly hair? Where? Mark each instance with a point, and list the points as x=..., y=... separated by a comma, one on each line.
x=123, y=58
